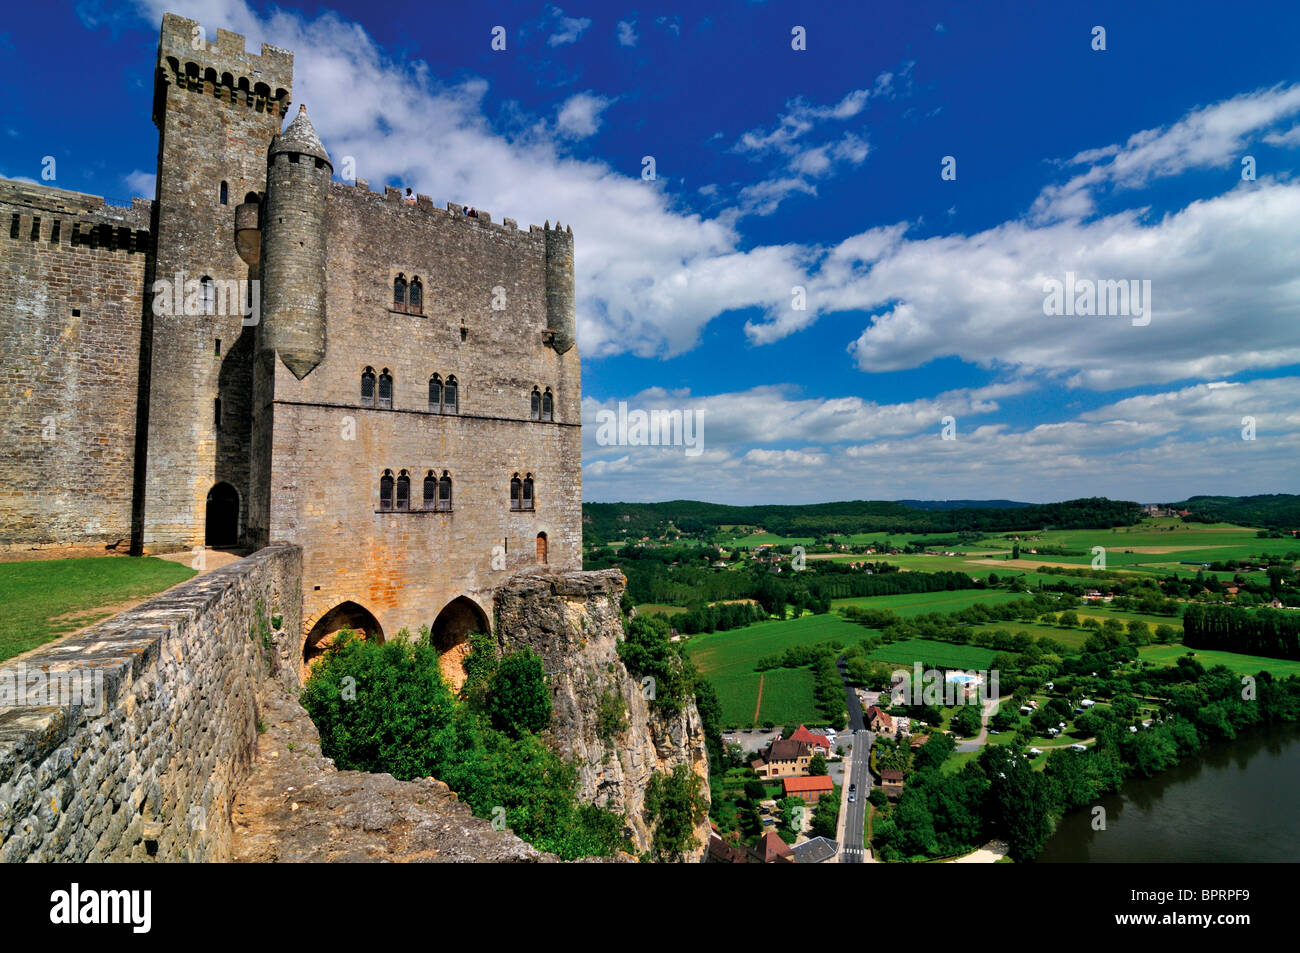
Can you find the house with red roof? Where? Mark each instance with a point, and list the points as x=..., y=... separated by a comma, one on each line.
x=878, y=720
x=819, y=744
x=770, y=849
x=810, y=789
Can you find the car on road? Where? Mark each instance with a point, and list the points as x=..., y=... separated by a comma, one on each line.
x=852, y=788
x=852, y=797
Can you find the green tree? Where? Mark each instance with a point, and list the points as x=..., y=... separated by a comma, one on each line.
x=817, y=766
x=675, y=803
x=518, y=699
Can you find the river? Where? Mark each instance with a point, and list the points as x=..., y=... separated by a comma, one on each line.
x=1232, y=801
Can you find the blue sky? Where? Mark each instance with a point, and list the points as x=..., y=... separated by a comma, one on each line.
x=820, y=169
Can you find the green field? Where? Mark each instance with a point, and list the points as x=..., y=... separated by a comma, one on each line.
x=919, y=603
x=47, y=598
x=944, y=654
x=1238, y=664
x=787, y=697
x=656, y=608
x=736, y=651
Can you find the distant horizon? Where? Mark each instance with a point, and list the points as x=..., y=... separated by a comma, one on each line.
x=906, y=500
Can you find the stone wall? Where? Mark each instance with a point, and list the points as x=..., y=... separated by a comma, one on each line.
x=147, y=765
x=71, y=273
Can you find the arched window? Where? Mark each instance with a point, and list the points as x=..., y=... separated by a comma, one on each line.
x=535, y=406
x=516, y=493
x=399, y=293
x=449, y=395
x=403, y=491
x=225, y=194
x=386, y=490
x=368, y=387
x=548, y=405
x=528, y=493
x=541, y=549
x=207, y=295
x=435, y=394
x=430, y=491
x=415, y=296
x=444, y=492
x=385, y=390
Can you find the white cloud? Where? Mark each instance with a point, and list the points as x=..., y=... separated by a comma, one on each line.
x=567, y=29
x=1208, y=137
x=142, y=183
x=579, y=117
x=627, y=35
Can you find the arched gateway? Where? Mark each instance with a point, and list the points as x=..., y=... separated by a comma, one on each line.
x=345, y=615
x=451, y=631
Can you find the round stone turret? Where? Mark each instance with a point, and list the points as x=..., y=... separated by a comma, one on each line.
x=298, y=173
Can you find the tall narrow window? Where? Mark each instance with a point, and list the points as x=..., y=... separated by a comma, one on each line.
x=14, y=224
x=216, y=414
x=541, y=549
x=430, y=491
x=368, y=387
x=449, y=396
x=444, y=492
x=528, y=492
x=415, y=294
x=36, y=229
x=403, y=491
x=385, y=390
x=207, y=295
x=225, y=194
x=216, y=347
x=435, y=394
x=535, y=407
x=386, y=490
x=399, y=293
x=516, y=493
x=548, y=405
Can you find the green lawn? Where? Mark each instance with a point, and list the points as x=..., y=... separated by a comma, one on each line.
x=44, y=599
x=1238, y=664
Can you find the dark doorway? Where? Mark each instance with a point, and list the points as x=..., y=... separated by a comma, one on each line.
x=451, y=632
x=345, y=615
x=222, y=525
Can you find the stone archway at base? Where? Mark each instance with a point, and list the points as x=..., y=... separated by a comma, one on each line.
x=451, y=631
x=345, y=615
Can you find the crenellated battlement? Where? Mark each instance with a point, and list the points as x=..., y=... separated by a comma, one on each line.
x=423, y=204
x=57, y=216
x=222, y=68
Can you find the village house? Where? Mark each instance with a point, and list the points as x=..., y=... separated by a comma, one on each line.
x=810, y=789
x=819, y=744
x=891, y=782
x=783, y=759
x=770, y=849
x=878, y=721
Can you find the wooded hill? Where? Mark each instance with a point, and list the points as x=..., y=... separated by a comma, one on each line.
x=608, y=521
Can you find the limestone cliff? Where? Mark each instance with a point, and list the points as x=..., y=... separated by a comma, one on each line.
x=572, y=621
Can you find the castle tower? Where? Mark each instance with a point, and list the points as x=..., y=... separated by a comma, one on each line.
x=559, y=288
x=298, y=171
x=217, y=108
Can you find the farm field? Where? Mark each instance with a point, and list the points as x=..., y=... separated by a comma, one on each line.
x=736, y=651
x=919, y=603
x=1238, y=664
x=48, y=598
x=655, y=608
x=787, y=697
x=945, y=654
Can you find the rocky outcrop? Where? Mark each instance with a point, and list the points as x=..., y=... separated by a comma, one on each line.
x=297, y=806
x=601, y=721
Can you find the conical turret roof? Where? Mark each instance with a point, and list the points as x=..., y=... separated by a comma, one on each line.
x=300, y=137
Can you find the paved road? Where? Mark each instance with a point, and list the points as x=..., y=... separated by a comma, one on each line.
x=856, y=722
x=855, y=819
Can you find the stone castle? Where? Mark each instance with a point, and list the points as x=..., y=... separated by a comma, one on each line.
x=263, y=354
